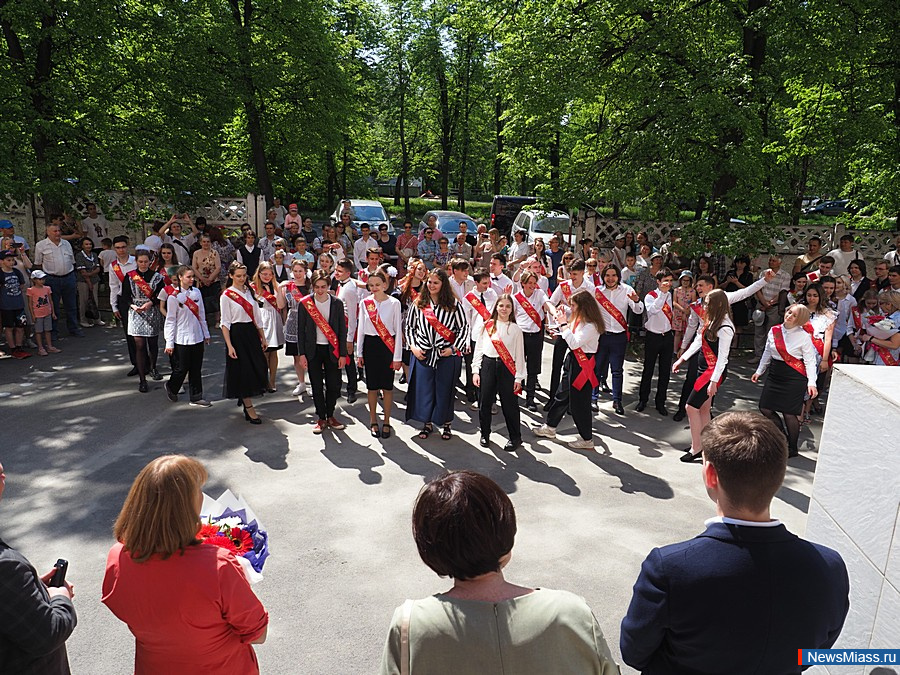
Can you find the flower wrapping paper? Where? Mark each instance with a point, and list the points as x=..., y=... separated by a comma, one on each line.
x=228, y=505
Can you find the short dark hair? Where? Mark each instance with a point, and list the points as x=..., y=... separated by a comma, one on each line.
x=121, y=239
x=663, y=273
x=459, y=264
x=750, y=455
x=818, y=239
x=500, y=257
x=894, y=269
x=846, y=237
x=480, y=275
x=344, y=263
x=577, y=266
x=826, y=259
x=463, y=524
x=708, y=279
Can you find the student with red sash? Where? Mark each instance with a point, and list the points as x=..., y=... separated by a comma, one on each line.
x=346, y=290
x=887, y=351
x=821, y=324
x=462, y=284
x=246, y=370
x=408, y=289
x=437, y=333
x=499, y=365
x=581, y=333
x=615, y=299
x=577, y=281
x=118, y=268
x=322, y=346
x=659, y=343
x=140, y=294
x=379, y=347
x=713, y=341
x=267, y=289
x=478, y=304
x=186, y=335
x=790, y=358
x=531, y=304
x=294, y=290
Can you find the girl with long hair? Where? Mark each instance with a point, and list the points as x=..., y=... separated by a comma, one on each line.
x=379, y=347
x=408, y=289
x=820, y=326
x=186, y=335
x=713, y=341
x=499, y=367
x=140, y=295
x=436, y=332
x=266, y=287
x=246, y=369
x=293, y=290
x=581, y=333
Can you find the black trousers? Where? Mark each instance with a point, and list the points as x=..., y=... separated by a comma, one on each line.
x=352, y=376
x=470, y=388
x=325, y=379
x=690, y=377
x=657, y=347
x=560, y=349
x=132, y=350
x=534, y=349
x=576, y=401
x=496, y=378
x=187, y=362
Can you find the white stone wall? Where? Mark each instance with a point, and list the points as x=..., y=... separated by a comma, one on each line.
x=855, y=504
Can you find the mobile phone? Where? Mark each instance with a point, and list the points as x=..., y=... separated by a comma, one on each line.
x=58, y=580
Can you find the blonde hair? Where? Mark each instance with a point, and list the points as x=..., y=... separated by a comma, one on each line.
x=801, y=311
x=892, y=297
x=160, y=514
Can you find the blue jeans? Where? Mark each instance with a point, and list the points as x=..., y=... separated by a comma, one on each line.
x=430, y=398
x=611, y=354
x=64, y=288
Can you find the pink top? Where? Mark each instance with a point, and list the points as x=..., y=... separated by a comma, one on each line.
x=41, y=297
x=191, y=613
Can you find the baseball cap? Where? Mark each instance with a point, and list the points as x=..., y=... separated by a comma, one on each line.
x=38, y=274
x=9, y=253
x=6, y=224
x=619, y=235
x=292, y=206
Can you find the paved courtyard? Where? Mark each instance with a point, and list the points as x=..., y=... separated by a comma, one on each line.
x=337, y=507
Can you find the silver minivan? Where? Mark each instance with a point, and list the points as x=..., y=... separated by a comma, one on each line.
x=539, y=223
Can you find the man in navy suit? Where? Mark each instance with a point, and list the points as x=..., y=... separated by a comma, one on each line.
x=746, y=594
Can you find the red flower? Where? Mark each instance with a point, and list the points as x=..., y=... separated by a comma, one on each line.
x=221, y=541
x=242, y=540
x=875, y=318
x=207, y=531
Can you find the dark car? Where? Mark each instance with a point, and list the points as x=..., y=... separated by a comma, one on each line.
x=504, y=210
x=448, y=223
x=834, y=207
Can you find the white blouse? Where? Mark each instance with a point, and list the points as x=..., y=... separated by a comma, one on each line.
x=391, y=314
x=586, y=336
x=232, y=312
x=511, y=335
x=182, y=327
x=798, y=343
x=725, y=335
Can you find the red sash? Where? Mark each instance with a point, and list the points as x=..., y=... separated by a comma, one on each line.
x=587, y=373
x=787, y=357
x=380, y=328
x=168, y=288
x=566, y=287
x=294, y=291
x=322, y=324
x=478, y=305
x=441, y=329
x=232, y=294
x=529, y=309
x=613, y=311
x=118, y=270
x=191, y=305
x=502, y=350
x=711, y=360
x=265, y=295
x=857, y=318
x=819, y=344
x=697, y=306
x=142, y=285
x=885, y=355
x=666, y=309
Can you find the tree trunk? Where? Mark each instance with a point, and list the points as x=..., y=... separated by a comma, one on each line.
x=498, y=162
x=615, y=212
x=344, y=194
x=701, y=205
x=331, y=186
x=446, y=131
x=554, y=166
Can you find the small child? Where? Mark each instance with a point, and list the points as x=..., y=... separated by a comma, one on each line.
x=12, y=304
x=43, y=313
x=629, y=273
x=683, y=296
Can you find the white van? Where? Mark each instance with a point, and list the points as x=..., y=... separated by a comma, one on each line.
x=538, y=223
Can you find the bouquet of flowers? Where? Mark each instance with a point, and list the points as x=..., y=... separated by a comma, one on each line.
x=229, y=523
x=880, y=326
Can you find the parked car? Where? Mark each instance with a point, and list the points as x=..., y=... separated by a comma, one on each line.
x=538, y=223
x=448, y=223
x=833, y=207
x=364, y=211
x=504, y=210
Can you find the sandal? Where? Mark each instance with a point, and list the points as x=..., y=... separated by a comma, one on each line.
x=445, y=434
x=427, y=430
x=385, y=430
x=375, y=432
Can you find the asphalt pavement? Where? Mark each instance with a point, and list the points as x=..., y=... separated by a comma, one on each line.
x=337, y=507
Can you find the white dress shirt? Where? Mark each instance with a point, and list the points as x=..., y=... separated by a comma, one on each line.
x=182, y=327
x=460, y=290
x=360, y=249
x=844, y=307
x=537, y=300
x=115, y=286
x=693, y=322
x=657, y=321
x=182, y=245
x=55, y=259
x=476, y=323
x=500, y=282
x=511, y=336
x=153, y=242
x=842, y=259
x=618, y=296
x=725, y=335
x=744, y=523
x=348, y=292
x=586, y=336
x=233, y=313
x=391, y=314
x=325, y=310
x=798, y=343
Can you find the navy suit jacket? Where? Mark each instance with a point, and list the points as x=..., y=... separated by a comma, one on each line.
x=735, y=599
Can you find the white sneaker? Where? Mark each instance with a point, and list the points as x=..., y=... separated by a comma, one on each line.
x=309, y=391
x=85, y=324
x=582, y=444
x=473, y=405
x=545, y=431
x=298, y=390
x=98, y=322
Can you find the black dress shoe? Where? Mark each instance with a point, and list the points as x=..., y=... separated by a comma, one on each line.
x=617, y=406
x=484, y=442
x=512, y=446
x=690, y=457
x=793, y=453
x=143, y=388
x=604, y=387
x=155, y=376
x=595, y=406
x=661, y=409
x=678, y=416
x=531, y=405
x=132, y=372
x=172, y=397
x=351, y=397
x=641, y=406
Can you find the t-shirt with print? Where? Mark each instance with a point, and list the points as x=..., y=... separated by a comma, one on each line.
x=12, y=286
x=40, y=300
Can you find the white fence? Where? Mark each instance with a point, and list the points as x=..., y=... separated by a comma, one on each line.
x=124, y=212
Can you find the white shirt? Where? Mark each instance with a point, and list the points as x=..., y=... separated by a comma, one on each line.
x=95, y=228
x=559, y=296
x=657, y=321
x=586, y=336
x=325, y=310
x=693, y=322
x=233, y=313
x=737, y=521
x=798, y=343
x=182, y=327
x=460, y=290
x=360, y=249
x=55, y=259
x=500, y=282
x=115, y=286
x=844, y=306
x=725, y=335
x=475, y=321
x=391, y=313
x=525, y=322
x=348, y=292
x=892, y=258
x=153, y=242
x=182, y=245
x=511, y=336
x=517, y=250
x=618, y=296
x=842, y=259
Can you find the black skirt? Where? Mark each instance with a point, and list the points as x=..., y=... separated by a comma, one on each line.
x=246, y=376
x=210, y=295
x=698, y=397
x=290, y=348
x=784, y=390
x=377, y=359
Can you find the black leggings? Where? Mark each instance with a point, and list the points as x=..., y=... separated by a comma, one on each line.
x=791, y=426
x=147, y=351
